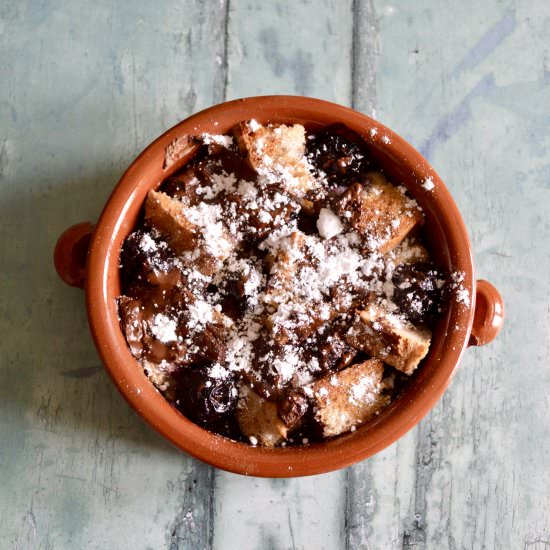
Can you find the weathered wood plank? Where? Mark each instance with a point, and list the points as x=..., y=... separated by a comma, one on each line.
x=290, y=47
x=295, y=513
x=366, y=50
x=475, y=473
x=84, y=89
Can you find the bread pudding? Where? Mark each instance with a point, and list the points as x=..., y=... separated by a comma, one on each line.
x=278, y=289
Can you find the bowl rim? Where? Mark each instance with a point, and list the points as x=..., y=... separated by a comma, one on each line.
x=139, y=392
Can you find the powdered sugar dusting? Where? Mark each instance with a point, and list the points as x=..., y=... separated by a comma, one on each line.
x=224, y=141
x=147, y=243
x=428, y=184
x=253, y=125
x=462, y=296
x=329, y=224
x=363, y=391
x=164, y=328
x=208, y=218
x=200, y=313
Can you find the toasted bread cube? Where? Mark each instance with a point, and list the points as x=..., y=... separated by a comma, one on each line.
x=167, y=215
x=393, y=214
x=159, y=373
x=296, y=321
x=258, y=419
x=380, y=212
x=410, y=251
x=348, y=398
x=385, y=337
x=285, y=265
x=170, y=217
x=182, y=149
x=293, y=314
x=278, y=152
x=283, y=144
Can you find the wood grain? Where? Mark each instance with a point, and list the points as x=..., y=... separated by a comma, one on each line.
x=469, y=476
x=86, y=87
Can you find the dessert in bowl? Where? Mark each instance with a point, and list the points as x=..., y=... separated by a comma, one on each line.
x=307, y=415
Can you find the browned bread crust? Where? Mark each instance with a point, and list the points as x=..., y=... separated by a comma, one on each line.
x=258, y=419
x=380, y=212
x=277, y=151
x=168, y=216
x=410, y=251
x=349, y=397
x=383, y=336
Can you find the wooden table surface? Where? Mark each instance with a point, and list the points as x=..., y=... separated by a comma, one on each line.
x=86, y=85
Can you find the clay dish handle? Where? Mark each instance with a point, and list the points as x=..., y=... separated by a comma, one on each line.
x=488, y=316
x=71, y=252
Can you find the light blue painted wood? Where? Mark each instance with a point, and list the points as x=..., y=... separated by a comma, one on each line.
x=84, y=88
x=302, y=47
x=467, y=84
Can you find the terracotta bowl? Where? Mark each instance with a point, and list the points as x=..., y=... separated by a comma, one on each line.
x=88, y=256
